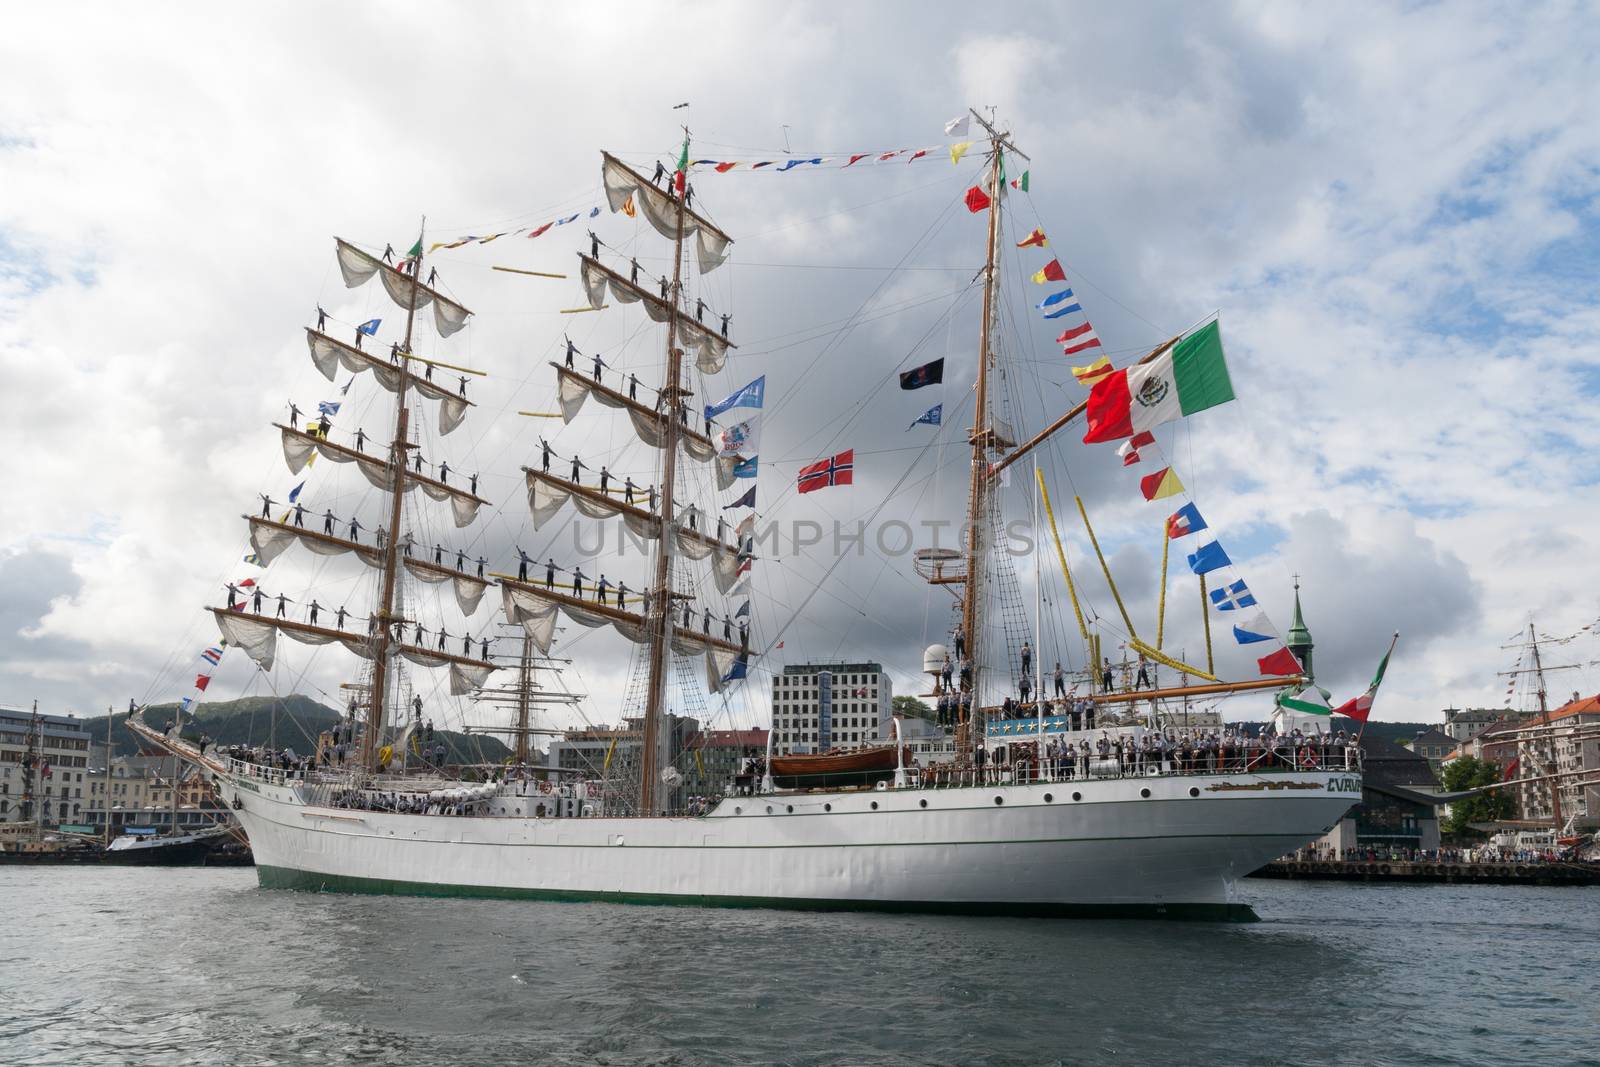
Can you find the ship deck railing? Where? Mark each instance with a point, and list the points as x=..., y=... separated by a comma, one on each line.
x=1136, y=765
x=263, y=773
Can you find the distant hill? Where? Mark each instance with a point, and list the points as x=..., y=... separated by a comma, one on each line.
x=250, y=720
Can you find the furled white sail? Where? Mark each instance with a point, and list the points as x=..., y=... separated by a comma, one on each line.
x=661, y=212
x=299, y=445
x=536, y=612
x=358, y=267
x=573, y=389
x=710, y=347
x=329, y=355
x=546, y=497
x=468, y=589
x=259, y=639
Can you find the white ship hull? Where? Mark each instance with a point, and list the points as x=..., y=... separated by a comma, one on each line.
x=1012, y=849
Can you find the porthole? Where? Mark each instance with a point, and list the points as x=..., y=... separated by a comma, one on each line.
x=789, y=808
x=738, y=811
x=1077, y=796
x=1048, y=797
x=923, y=803
x=769, y=806
x=1145, y=793
x=874, y=805
x=999, y=800
x=1194, y=791
x=827, y=807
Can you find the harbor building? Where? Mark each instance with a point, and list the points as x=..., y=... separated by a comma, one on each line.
x=817, y=707
x=1398, y=806
x=1435, y=746
x=44, y=760
x=1565, y=742
x=1463, y=724
x=717, y=756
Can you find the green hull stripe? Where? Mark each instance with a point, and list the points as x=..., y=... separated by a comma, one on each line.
x=309, y=881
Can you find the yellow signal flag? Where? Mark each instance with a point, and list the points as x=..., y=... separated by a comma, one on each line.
x=959, y=150
x=1100, y=368
x=1160, y=485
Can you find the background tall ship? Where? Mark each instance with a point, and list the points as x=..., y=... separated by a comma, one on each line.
x=867, y=829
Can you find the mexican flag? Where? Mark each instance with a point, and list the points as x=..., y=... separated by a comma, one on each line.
x=1309, y=701
x=1359, y=708
x=680, y=177
x=1189, y=377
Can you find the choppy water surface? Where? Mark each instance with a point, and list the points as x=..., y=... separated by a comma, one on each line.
x=103, y=966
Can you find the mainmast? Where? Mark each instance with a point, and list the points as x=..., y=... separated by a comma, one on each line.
x=377, y=695
x=661, y=601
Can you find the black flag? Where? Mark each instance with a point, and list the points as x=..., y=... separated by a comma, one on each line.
x=927, y=374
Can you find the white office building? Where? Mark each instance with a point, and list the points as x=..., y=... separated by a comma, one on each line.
x=818, y=707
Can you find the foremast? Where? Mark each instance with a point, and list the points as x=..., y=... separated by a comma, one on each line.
x=256, y=634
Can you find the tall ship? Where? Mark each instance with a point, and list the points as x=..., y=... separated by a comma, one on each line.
x=1105, y=801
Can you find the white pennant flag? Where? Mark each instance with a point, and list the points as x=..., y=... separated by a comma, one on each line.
x=956, y=127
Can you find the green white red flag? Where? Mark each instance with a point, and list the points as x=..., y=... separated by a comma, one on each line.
x=1189, y=377
x=680, y=177
x=1360, y=707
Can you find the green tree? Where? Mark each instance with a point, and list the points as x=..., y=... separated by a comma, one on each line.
x=912, y=708
x=1470, y=773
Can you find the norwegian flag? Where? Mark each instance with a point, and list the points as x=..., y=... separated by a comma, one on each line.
x=825, y=472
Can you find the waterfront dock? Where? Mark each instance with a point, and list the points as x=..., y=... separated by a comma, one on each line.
x=1433, y=872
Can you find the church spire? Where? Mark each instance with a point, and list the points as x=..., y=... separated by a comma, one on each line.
x=1299, y=641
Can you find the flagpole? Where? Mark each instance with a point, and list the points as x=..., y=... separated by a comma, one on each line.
x=1038, y=636
x=1161, y=610
x=1375, y=683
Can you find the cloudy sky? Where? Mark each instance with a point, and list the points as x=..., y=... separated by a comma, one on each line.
x=1395, y=216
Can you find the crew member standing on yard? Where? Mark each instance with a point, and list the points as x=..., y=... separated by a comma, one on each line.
x=1105, y=675
x=1061, y=681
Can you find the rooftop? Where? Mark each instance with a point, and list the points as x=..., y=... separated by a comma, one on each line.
x=833, y=668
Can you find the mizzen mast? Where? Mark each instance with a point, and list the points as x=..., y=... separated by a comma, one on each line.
x=982, y=437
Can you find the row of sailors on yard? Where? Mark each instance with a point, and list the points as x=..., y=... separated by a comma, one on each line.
x=1171, y=751
x=953, y=708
